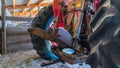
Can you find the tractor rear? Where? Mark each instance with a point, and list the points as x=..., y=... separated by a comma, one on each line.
x=62, y=37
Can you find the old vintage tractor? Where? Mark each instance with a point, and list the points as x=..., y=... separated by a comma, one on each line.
x=62, y=32
x=65, y=27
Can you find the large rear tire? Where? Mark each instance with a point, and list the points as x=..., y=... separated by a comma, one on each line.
x=43, y=20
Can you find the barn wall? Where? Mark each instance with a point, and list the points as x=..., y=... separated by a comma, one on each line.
x=0, y=41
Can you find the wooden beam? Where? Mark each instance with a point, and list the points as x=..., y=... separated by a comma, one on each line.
x=26, y=13
x=28, y=4
x=3, y=18
x=11, y=18
x=45, y=4
x=24, y=6
x=21, y=6
x=40, y=1
x=24, y=10
x=31, y=9
x=0, y=41
x=14, y=2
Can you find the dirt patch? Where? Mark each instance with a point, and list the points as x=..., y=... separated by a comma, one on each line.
x=28, y=59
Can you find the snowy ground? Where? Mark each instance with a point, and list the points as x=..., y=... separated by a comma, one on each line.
x=28, y=59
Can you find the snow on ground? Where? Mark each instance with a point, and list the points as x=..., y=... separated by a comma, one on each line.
x=28, y=59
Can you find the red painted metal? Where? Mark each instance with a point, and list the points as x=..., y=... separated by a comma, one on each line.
x=56, y=5
x=96, y=4
x=56, y=9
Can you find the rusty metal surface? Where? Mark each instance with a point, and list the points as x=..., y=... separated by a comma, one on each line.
x=55, y=36
x=72, y=59
x=64, y=38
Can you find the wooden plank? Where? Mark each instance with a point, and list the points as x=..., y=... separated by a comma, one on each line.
x=24, y=10
x=0, y=40
x=45, y=4
x=17, y=31
x=40, y=1
x=38, y=5
x=30, y=9
x=14, y=2
x=26, y=13
x=25, y=6
x=3, y=27
x=21, y=6
x=28, y=3
x=11, y=18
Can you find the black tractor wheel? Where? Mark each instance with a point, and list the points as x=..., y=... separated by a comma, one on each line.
x=43, y=20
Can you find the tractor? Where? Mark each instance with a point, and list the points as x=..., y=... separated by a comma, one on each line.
x=68, y=31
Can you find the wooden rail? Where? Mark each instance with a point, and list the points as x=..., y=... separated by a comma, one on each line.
x=0, y=40
x=3, y=18
x=11, y=18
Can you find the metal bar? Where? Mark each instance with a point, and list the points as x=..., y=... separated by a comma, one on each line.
x=77, y=9
x=3, y=27
x=11, y=18
x=50, y=62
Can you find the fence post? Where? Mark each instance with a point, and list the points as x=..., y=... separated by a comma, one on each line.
x=3, y=26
